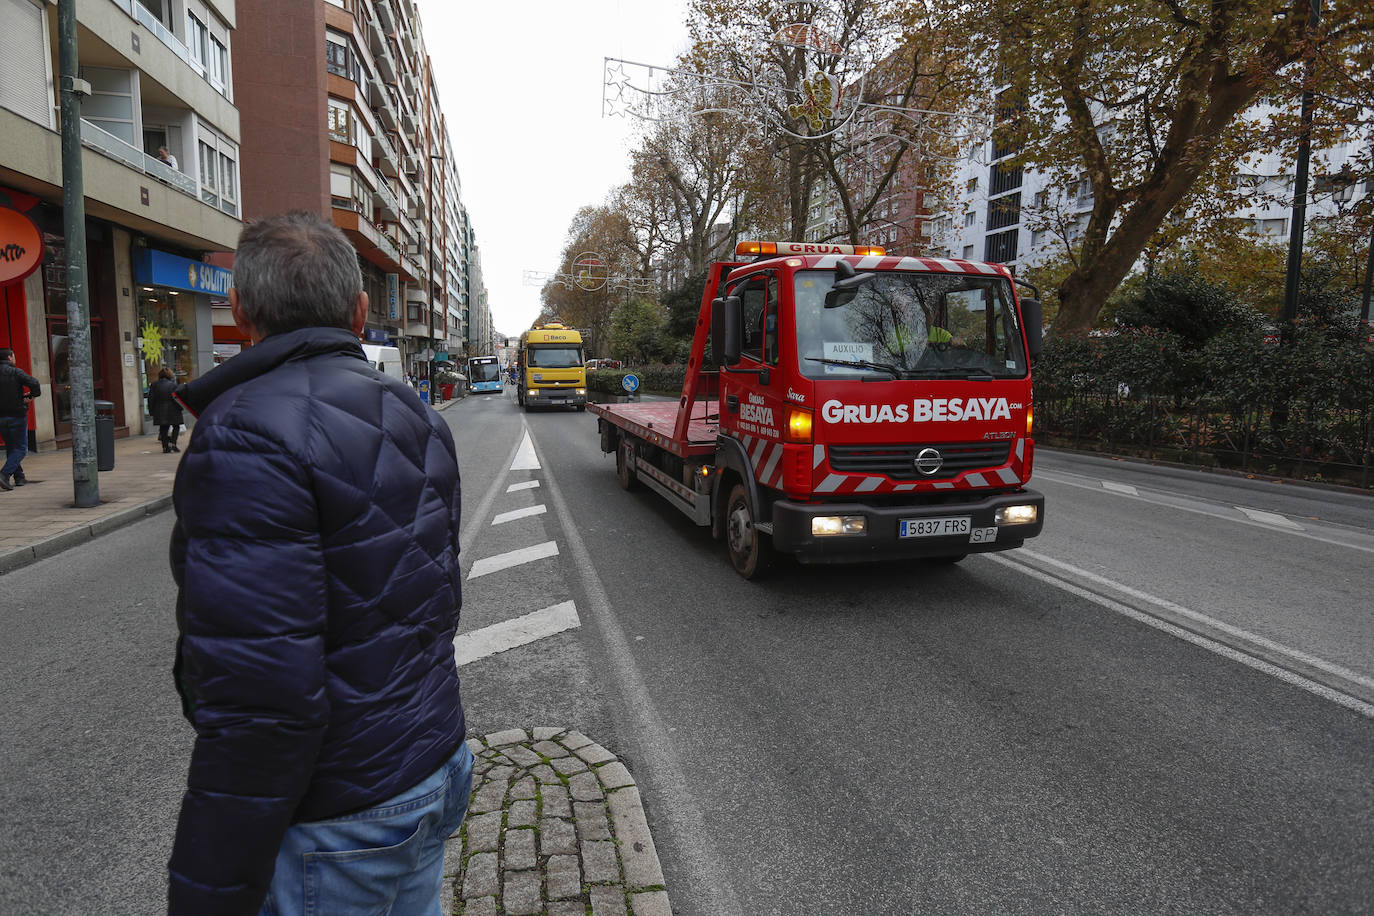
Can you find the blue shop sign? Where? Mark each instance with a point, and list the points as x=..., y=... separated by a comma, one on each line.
x=158, y=268
x=372, y=335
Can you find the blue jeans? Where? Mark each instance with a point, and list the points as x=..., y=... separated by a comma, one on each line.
x=16, y=433
x=388, y=859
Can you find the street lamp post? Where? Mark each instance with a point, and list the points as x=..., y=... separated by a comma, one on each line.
x=430, y=281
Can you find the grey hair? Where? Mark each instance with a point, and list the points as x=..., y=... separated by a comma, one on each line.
x=296, y=270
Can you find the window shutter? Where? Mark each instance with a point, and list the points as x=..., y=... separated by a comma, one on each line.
x=24, y=62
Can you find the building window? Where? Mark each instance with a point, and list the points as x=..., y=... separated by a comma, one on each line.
x=1001, y=248
x=218, y=64
x=197, y=39
x=208, y=185
x=339, y=57
x=969, y=219
x=228, y=184
x=973, y=184
x=111, y=104
x=340, y=121
x=968, y=252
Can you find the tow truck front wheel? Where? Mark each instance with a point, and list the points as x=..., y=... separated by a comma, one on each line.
x=750, y=553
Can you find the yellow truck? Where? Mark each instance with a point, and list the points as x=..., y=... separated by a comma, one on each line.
x=550, y=368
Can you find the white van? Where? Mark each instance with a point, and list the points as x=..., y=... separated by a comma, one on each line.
x=386, y=360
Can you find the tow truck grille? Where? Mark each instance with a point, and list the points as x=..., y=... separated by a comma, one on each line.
x=899, y=461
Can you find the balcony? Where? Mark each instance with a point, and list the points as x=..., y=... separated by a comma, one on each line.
x=99, y=139
x=388, y=162
x=385, y=16
x=382, y=106
x=386, y=65
x=388, y=208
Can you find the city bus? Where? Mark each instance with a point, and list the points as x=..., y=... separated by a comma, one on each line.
x=484, y=374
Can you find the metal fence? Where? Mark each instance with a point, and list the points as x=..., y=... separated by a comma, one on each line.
x=1296, y=439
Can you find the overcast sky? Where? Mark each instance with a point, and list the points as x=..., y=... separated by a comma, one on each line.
x=520, y=85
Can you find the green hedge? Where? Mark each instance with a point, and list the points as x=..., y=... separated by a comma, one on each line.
x=1242, y=400
x=655, y=379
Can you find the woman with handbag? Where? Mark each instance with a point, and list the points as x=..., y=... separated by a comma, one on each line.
x=165, y=411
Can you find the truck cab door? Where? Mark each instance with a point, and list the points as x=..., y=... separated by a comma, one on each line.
x=751, y=403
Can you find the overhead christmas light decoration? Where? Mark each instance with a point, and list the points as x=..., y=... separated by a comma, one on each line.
x=801, y=80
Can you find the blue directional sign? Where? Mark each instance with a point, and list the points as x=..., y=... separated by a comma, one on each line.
x=424, y=390
x=630, y=382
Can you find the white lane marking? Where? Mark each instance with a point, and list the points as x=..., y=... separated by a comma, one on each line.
x=1120, y=488
x=513, y=514
x=1064, y=478
x=472, y=517
x=501, y=561
x=1204, y=642
x=522, y=485
x=511, y=634
x=525, y=459
x=1271, y=518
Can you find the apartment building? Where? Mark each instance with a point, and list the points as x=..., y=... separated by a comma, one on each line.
x=160, y=77
x=1002, y=212
x=341, y=117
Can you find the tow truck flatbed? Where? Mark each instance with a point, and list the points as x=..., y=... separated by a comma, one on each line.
x=654, y=421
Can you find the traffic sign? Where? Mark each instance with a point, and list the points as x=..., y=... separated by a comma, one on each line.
x=630, y=382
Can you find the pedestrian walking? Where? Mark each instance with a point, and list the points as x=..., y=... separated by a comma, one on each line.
x=165, y=410
x=316, y=554
x=17, y=390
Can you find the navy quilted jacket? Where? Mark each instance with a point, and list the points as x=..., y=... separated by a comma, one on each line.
x=316, y=552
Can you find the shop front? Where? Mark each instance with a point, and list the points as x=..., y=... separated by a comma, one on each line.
x=176, y=314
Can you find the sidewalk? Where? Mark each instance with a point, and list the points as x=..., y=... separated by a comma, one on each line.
x=40, y=519
x=555, y=825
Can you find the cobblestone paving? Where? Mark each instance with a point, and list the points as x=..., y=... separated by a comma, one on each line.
x=555, y=826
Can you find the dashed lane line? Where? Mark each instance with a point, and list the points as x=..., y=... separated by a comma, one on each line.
x=1272, y=518
x=522, y=485
x=501, y=561
x=1120, y=488
x=514, y=514
x=514, y=633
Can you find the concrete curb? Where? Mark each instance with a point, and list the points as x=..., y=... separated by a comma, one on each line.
x=555, y=826
x=40, y=550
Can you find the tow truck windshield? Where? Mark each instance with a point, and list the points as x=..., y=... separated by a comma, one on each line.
x=906, y=325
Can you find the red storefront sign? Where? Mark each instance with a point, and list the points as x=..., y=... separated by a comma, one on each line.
x=21, y=246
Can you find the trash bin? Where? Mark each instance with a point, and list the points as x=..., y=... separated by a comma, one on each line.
x=104, y=435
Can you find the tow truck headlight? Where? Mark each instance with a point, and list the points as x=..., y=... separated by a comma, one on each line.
x=1017, y=515
x=798, y=425
x=832, y=525
x=531, y=393
x=582, y=391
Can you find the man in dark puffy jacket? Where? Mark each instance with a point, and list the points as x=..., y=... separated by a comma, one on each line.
x=17, y=389
x=316, y=552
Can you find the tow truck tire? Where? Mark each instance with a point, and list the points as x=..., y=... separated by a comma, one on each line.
x=750, y=552
x=624, y=467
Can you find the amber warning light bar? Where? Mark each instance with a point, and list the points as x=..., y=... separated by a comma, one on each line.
x=771, y=249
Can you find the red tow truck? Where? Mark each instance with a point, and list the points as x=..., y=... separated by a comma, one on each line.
x=844, y=405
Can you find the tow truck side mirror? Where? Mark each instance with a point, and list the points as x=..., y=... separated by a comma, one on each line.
x=1032, y=318
x=846, y=287
x=731, y=320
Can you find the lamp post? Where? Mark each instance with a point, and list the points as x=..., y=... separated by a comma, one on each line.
x=429, y=281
